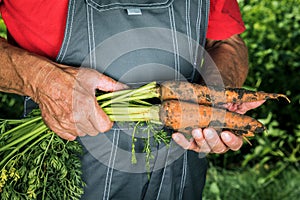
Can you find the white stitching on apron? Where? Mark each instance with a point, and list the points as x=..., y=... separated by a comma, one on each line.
x=183, y=176
x=163, y=175
x=113, y=161
x=110, y=168
x=68, y=31
x=198, y=25
x=188, y=28
x=175, y=42
x=91, y=37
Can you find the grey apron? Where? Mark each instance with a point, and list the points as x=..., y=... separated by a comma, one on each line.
x=136, y=42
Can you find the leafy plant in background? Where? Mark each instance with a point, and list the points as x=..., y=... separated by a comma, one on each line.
x=10, y=105
x=272, y=37
x=245, y=184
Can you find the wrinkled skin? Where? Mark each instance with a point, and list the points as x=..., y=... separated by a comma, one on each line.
x=66, y=97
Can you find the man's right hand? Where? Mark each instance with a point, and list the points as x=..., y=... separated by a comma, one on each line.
x=66, y=97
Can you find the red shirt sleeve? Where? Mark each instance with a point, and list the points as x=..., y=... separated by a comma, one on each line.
x=225, y=19
x=37, y=27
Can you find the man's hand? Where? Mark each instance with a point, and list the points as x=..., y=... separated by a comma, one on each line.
x=209, y=141
x=66, y=97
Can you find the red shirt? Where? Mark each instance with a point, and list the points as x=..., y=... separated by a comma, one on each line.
x=39, y=26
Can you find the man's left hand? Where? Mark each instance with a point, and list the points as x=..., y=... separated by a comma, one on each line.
x=209, y=141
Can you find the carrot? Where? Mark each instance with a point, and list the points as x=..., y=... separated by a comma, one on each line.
x=185, y=116
x=200, y=112
x=206, y=95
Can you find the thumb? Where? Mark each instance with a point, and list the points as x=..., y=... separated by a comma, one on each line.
x=108, y=84
x=91, y=79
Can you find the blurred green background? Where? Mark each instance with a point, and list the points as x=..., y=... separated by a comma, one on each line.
x=269, y=169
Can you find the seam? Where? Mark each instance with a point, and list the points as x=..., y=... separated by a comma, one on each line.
x=89, y=32
x=94, y=64
x=190, y=39
x=176, y=45
x=109, y=168
x=183, y=176
x=164, y=173
x=113, y=163
x=207, y=5
x=68, y=31
x=188, y=28
x=171, y=17
x=198, y=25
x=91, y=38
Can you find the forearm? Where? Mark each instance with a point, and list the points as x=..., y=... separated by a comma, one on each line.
x=20, y=69
x=231, y=58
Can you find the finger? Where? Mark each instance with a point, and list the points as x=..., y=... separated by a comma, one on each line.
x=55, y=126
x=91, y=79
x=200, y=141
x=85, y=128
x=66, y=136
x=244, y=107
x=73, y=128
x=99, y=120
x=182, y=141
x=214, y=141
x=64, y=132
x=106, y=83
x=231, y=106
x=232, y=141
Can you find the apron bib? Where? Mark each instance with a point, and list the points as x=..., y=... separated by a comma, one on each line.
x=136, y=42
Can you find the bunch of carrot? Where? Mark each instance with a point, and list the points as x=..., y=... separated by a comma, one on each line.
x=184, y=106
x=180, y=106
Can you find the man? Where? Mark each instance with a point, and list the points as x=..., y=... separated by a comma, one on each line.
x=52, y=39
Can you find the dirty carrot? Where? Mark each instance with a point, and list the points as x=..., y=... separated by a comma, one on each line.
x=185, y=116
x=209, y=95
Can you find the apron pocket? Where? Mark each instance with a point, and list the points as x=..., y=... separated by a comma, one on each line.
x=102, y=5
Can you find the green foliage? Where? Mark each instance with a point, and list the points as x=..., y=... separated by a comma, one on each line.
x=246, y=184
x=11, y=105
x=268, y=168
x=273, y=36
x=2, y=28
x=38, y=165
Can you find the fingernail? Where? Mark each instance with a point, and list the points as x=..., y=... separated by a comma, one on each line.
x=197, y=134
x=175, y=137
x=209, y=134
x=226, y=137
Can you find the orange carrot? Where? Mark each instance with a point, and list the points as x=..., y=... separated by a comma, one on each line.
x=185, y=116
x=206, y=95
